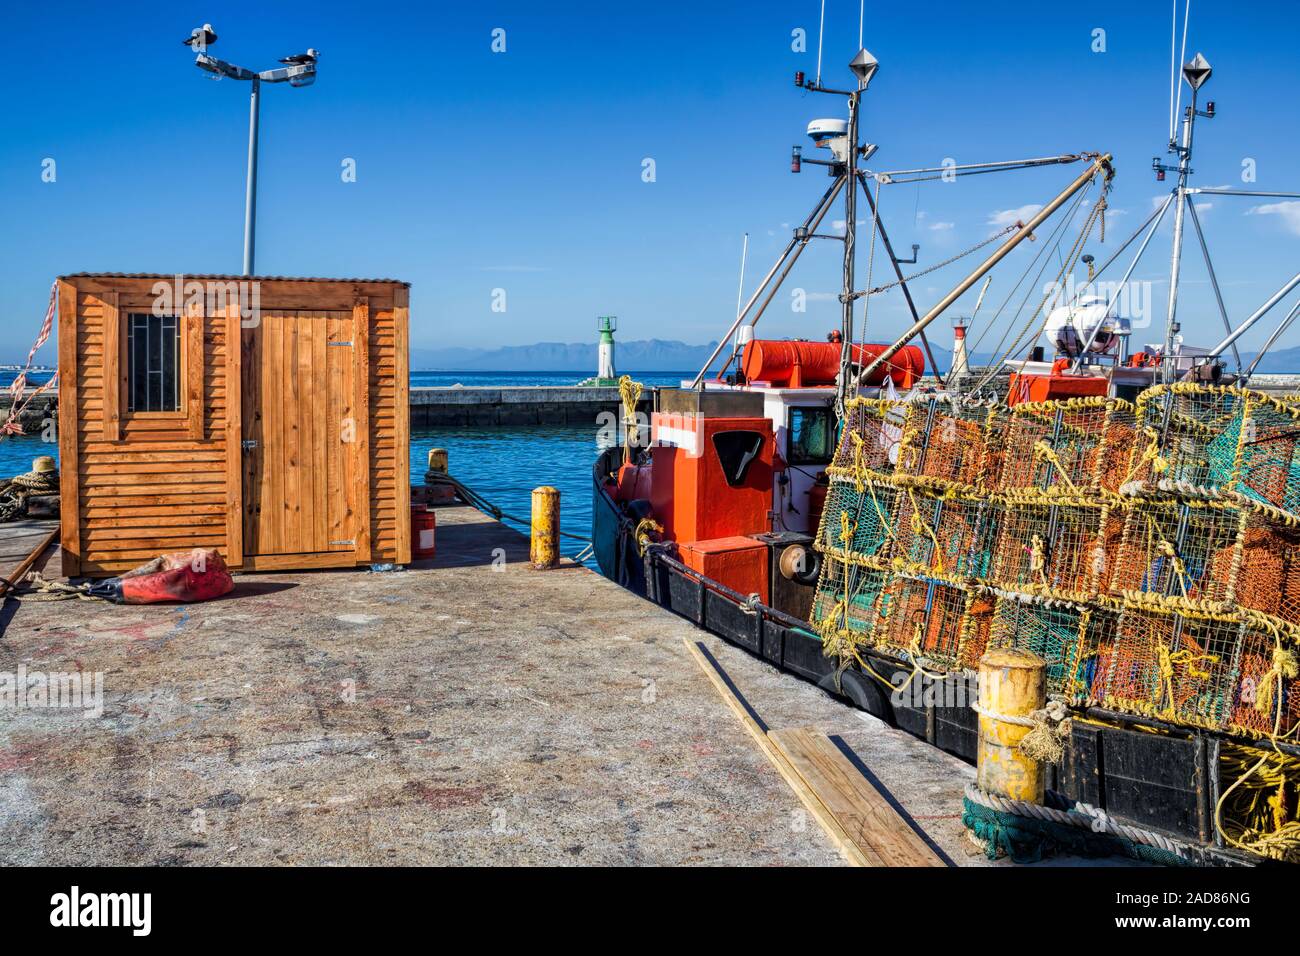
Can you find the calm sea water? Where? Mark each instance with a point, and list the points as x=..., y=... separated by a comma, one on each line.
x=504, y=465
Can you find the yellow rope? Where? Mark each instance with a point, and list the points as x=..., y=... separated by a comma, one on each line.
x=1043, y=450
x=641, y=535
x=630, y=394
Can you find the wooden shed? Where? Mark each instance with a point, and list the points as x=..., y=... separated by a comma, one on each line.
x=266, y=417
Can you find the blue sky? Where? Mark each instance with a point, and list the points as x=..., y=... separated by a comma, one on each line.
x=522, y=170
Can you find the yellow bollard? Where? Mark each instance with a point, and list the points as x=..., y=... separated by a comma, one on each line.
x=438, y=460
x=1011, y=683
x=544, y=549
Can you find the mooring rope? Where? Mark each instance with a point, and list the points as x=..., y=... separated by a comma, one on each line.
x=1086, y=816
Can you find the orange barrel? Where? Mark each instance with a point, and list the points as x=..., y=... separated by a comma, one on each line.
x=793, y=364
x=423, y=522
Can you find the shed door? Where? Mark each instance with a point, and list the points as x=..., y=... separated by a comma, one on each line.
x=299, y=450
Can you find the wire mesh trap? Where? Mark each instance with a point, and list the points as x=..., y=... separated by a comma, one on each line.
x=858, y=519
x=945, y=535
x=1057, y=550
x=952, y=443
x=1080, y=445
x=1071, y=638
x=1221, y=439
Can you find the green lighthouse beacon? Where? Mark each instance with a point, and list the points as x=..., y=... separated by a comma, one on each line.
x=605, y=373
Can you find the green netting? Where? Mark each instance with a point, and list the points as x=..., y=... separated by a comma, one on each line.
x=857, y=521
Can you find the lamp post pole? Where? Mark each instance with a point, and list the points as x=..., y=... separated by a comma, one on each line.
x=250, y=193
x=298, y=70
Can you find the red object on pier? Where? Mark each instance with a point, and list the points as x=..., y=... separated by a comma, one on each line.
x=423, y=525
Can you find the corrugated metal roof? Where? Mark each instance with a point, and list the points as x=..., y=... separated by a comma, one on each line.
x=219, y=278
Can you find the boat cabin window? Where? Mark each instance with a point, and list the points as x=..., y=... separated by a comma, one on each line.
x=153, y=368
x=810, y=436
x=736, y=452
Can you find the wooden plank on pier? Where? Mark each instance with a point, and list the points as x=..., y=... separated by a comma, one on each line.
x=21, y=545
x=861, y=810
x=853, y=853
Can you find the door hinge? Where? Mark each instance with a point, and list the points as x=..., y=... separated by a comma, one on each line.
x=346, y=344
x=248, y=444
x=352, y=543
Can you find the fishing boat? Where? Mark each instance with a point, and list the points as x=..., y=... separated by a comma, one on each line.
x=1125, y=513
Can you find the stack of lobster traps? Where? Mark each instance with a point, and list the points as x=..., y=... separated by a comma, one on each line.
x=1150, y=554
x=907, y=533
x=1208, y=569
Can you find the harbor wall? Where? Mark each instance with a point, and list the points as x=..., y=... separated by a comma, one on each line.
x=444, y=407
x=520, y=405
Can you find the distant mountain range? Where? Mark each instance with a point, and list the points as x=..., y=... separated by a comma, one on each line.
x=659, y=355
x=1275, y=361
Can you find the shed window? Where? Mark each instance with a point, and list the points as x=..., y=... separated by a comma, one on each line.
x=153, y=371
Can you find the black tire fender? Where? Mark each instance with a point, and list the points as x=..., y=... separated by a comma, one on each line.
x=865, y=693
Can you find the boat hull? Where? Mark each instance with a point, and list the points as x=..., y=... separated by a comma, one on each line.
x=1159, y=780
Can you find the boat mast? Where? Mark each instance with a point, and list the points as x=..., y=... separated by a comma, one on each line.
x=1195, y=73
x=864, y=67
x=850, y=254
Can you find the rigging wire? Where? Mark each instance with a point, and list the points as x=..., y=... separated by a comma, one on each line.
x=1042, y=253
x=1272, y=340
x=1071, y=261
x=876, y=290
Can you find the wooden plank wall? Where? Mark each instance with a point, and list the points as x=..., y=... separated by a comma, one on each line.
x=166, y=485
x=156, y=488
x=389, y=431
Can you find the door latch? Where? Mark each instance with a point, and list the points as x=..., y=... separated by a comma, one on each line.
x=248, y=444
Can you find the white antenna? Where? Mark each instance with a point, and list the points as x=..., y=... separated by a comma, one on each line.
x=744, y=251
x=862, y=6
x=980, y=300
x=821, y=28
x=743, y=332
x=1182, y=58
x=1173, y=65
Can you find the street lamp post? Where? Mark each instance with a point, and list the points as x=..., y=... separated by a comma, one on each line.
x=250, y=188
x=299, y=70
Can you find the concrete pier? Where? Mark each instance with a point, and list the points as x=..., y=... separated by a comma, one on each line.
x=468, y=710
x=516, y=405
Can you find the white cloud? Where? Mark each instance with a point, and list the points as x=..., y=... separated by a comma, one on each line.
x=941, y=226
x=838, y=224
x=1289, y=210
x=1007, y=217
